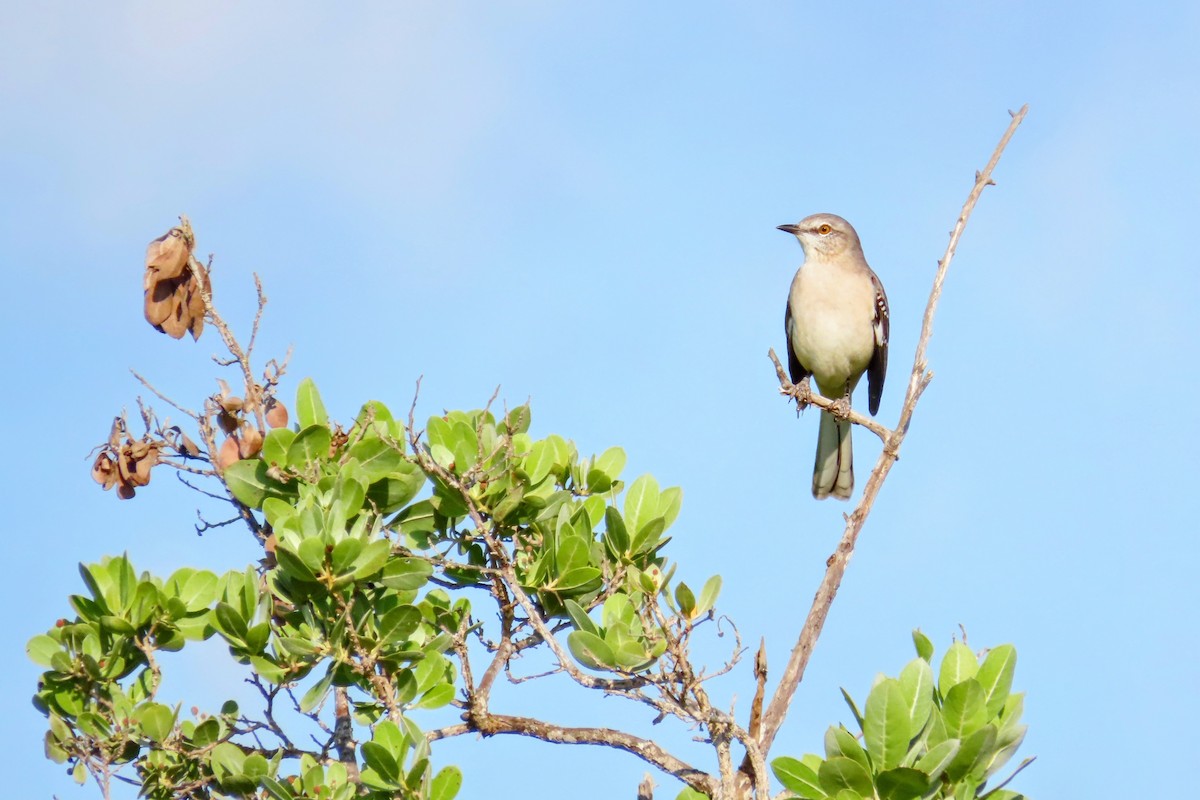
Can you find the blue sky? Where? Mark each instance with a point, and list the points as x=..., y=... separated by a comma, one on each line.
x=578, y=203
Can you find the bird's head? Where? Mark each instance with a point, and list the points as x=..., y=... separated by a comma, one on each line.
x=824, y=235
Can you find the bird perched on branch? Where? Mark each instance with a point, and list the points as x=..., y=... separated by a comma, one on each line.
x=837, y=329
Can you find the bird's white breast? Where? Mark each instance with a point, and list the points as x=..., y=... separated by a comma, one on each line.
x=823, y=299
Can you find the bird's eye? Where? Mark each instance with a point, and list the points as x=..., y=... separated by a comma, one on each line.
x=824, y=229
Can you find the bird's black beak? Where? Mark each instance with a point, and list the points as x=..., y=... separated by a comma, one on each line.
x=792, y=229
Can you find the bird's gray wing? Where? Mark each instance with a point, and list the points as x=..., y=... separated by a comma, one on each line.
x=795, y=369
x=877, y=368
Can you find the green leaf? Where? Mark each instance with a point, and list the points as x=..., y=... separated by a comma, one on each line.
x=311, y=445
x=708, y=595
x=616, y=536
x=377, y=458
x=840, y=773
x=276, y=444
x=399, y=624
x=573, y=579
x=312, y=553
x=344, y=554
x=156, y=721
x=590, y=650
x=397, y=489
x=517, y=420
x=853, y=708
x=372, y=559
x=610, y=463
x=396, y=741
x=292, y=565
x=934, y=762
x=383, y=763
x=446, y=783
x=685, y=600
x=902, y=783
x=313, y=697
x=276, y=790
x=916, y=684
x=957, y=665
x=256, y=766
x=648, y=537
x=539, y=462
x=465, y=446
x=309, y=408
x=886, y=724
x=798, y=778
x=995, y=676
x=641, y=503
x=41, y=648
x=572, y=552
x=841, y=742
x=349, y=491
x=257, y=637
x=227, y=760
x=1005, y=747
x=406, y=574
x=669, y=503
x=579, y=618
x=230, y=622
x=976, y=751
x=1014, y=706
x=963, y=709
x=297, y=646
x=249, y=483
x=206, y=733
x=94, y=725
x=437, y=697
x=199, y=590
x=116, y=625
x=923, y=645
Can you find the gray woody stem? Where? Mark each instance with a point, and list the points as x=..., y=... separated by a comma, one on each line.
x=918, y=380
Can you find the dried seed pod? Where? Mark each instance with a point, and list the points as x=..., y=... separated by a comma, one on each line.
x=277, y=414
x=125, y=491
x=116, y=432
x=104, y=471
x=227, y=422
x=176, y=324
x=145, y=462
x=183, y=444
x=251, y=442
x=126, y=464
x=168, y=254
x=228, y=453
x=231, y=403
x=195, y=309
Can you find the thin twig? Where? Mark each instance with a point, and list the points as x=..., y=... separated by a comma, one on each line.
x=646, y=749
x=164, y=398
x=786, y=387
x=798, y=660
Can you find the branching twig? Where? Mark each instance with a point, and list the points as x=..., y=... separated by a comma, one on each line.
x=649, y=751
x=794, y=671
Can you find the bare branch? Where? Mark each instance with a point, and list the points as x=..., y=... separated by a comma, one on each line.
x=647, y=750
x=164, y=398
x=806, y=398
x=798, y=660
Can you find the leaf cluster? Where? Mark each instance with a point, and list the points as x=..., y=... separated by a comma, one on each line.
x=920, y=737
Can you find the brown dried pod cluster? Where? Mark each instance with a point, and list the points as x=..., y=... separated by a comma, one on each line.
x=174, y=283
x=124, y=462
x=244, y=439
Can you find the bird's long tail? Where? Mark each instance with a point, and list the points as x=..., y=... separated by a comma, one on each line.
x=833, y=474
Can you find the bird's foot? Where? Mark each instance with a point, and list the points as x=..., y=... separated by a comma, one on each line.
x=841, y=408
x=802, y=393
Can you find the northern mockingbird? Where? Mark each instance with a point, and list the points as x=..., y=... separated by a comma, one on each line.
x=837, y=329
